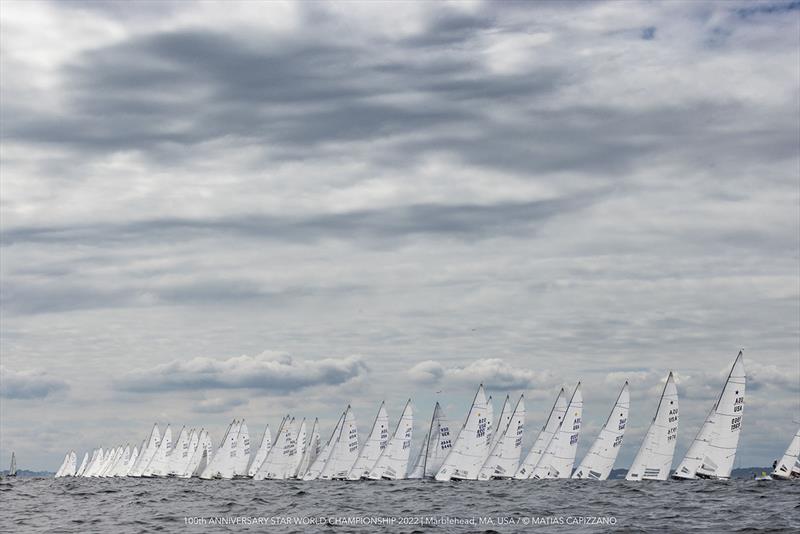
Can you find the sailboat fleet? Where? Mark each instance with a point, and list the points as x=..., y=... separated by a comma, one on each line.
x=483, y=448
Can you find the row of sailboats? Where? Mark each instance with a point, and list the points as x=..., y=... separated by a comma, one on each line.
x=484, y=448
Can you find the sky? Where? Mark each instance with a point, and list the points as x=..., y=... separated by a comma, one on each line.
x=219, y=210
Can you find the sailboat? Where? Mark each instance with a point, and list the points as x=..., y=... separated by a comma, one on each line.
x=435, y=447
x=279, y=460
x=654, y=459
x=322, y=458
x=222, y=464
x=146, y=452
x=373, y=447
x=159, y=462
x=344, y=451
x=503, y=460
x=545, y=435
x=789, y=465
x=599, y=461
x=468, y=452
x=180, y=453
x=261, y=453
x=62, y=467
x=712, y=453
x=393, y=461
x=12, y=469
x=311, y=451
x=559, y=455
x=201, y=454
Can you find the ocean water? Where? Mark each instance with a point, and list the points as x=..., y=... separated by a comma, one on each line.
x=171, y=505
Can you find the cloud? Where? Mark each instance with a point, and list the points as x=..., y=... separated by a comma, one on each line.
x=217, y=405
x=272, y=373
x=29, y=384
x=427, y=372
x=493, y=373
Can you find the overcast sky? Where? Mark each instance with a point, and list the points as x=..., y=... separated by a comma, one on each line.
x=245, y=210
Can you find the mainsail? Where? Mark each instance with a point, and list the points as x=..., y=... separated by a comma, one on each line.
x=469, y=449
x=98, y=463
x=12, y=469
x=62, y=467
x=311, y=451
x=158, y=464
x=344, y=451
x=261, y=453
x=88, y=469
x=437, y=444
x=146, y=453
x=504, y=458
x=393, y=461
x=654, y=459
x=180, y=453
x=322, y=458
x=374, y=446
x=222, y=464
x=789, y=463
x=545, y=435
x=201, y=455
x=242, y=451
x=712, y=453
x=280, y=457
x=108, y=471
x=84, y=463
x=559, y=456
x=599, y=461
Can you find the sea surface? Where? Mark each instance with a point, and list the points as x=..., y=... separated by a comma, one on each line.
x=176, y=505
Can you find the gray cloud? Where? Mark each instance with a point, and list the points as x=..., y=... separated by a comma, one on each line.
x=269, y=372
x=30, y=384
x=217, y=405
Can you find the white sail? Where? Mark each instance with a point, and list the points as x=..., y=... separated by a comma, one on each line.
x=438, y=443
x=300, y=443
x=322, y=458
x=713, y=451
x=559, y=456
x=72, y=465
x=112, y=464
x=201, y=455
x=502, y=422
x=159, y=463
x=84, y=463
x=418, y=469
x=783, y=469
x=545, y=435
x=311, y=451
x=280, y=460
x=61, y=468
x=194, y=444
x=503, y=461
x=12, y=470
x=131, y=461
x=242, y=451
x=654, y=459
x=222, y=464
x=98, y=463
x=121, y=464
x=344, y=451
x=373, y=447
x=176, y=461
x=88, y=469
x=146, y=453
x=469, y=449
x=393, y=461
x=261, y=453
x=599, y=461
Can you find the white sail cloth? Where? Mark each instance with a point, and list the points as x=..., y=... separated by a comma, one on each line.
x=653, y=461
x=599, y=461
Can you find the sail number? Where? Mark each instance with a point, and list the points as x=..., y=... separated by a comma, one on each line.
x=622, y=423
x=738, y=404
x=673, y=415
x=736, y=422
x=481, y=428
x=672, y=434
x=576, y=424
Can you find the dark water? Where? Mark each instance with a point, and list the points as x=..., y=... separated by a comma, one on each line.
x=147, y=505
